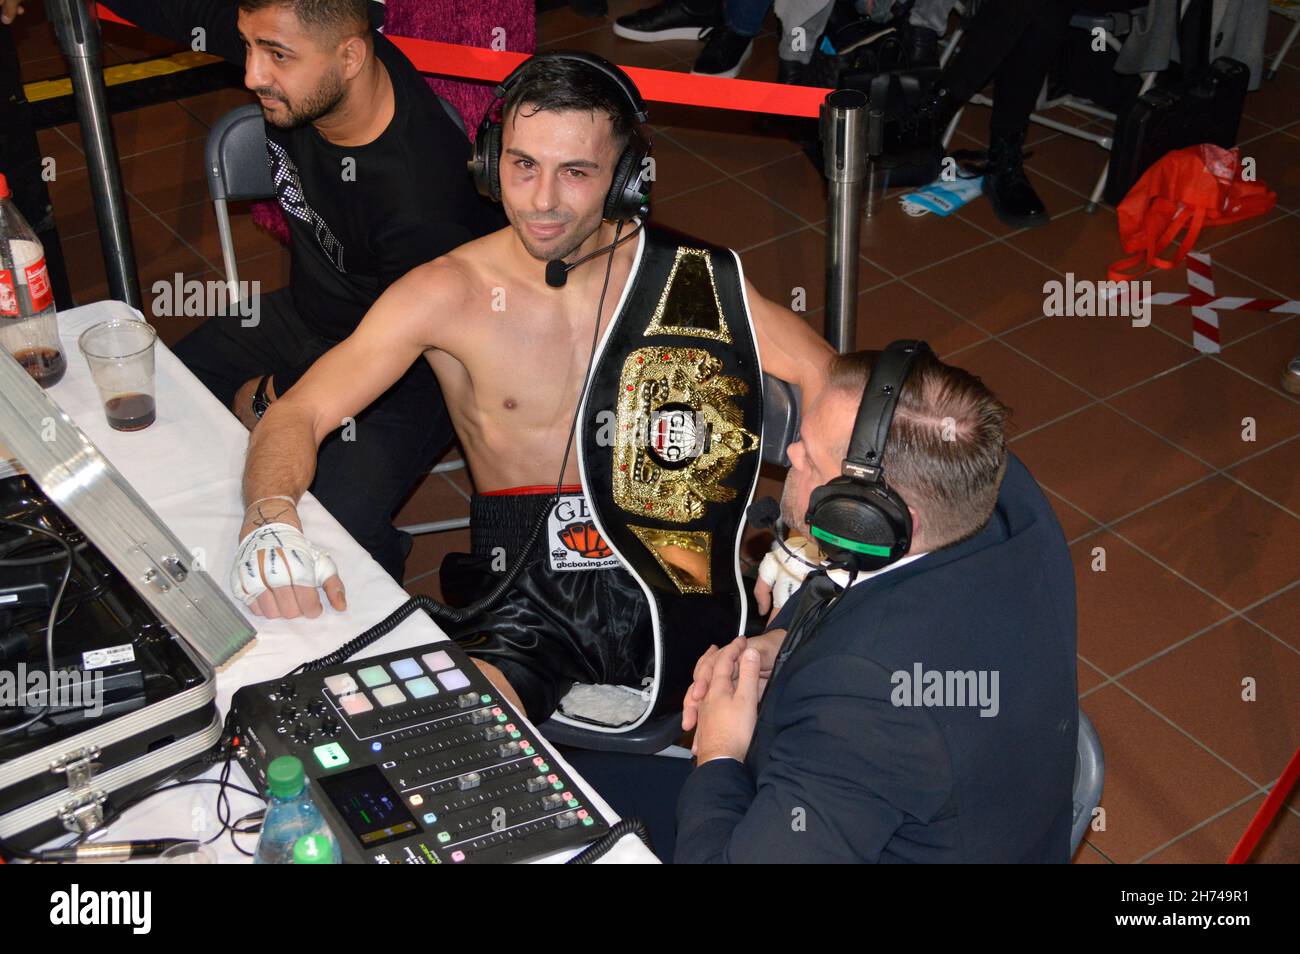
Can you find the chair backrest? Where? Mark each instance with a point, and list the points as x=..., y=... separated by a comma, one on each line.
x=236, y=156
x=1089, y=775
x=780, y=419
x=454, y=113
x=236, y=153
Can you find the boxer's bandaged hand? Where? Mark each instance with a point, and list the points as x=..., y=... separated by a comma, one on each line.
x=782, y=572
x=278, y=555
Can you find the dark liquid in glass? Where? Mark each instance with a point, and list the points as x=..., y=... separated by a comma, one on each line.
x=45, y=365
x=130, y=412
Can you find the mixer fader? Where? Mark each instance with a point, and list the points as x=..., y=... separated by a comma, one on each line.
x=415, y=759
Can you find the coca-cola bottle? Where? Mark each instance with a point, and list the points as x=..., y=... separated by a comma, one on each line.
x=29, y=329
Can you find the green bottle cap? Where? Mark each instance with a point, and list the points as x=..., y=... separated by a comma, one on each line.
x=313, y=850
x=284, y=776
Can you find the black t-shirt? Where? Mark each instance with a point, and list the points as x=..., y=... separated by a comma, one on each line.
x=361, y=216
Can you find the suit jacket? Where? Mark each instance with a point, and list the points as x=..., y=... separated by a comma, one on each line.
x=853, y=760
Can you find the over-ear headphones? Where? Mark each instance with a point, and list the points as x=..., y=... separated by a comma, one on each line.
x=629, y=190
x=860, y=521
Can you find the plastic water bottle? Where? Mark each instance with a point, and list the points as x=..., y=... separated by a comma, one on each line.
x=290, y=814
x=313, y=850
x=29, y=329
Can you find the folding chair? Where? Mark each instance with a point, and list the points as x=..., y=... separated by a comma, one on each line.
x=1089, y=774
x=1291, y=10
x=1113, y=26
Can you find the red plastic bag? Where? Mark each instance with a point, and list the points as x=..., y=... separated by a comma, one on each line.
x=1187, y=188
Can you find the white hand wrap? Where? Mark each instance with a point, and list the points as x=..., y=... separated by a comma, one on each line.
x=783, y=572
x=277, y=555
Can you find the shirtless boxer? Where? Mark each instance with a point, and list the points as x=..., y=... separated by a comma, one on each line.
x=511, y=354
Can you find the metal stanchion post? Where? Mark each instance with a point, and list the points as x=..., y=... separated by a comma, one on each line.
x=843, y=134
x=77, y=28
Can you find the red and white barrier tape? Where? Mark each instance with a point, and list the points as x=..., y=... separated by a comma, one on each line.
x=1206, y=307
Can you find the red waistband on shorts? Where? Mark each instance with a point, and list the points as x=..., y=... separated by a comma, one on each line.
x=535, y=489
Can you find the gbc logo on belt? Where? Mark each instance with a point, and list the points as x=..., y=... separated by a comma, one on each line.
x=575, y=543
x=676, y=434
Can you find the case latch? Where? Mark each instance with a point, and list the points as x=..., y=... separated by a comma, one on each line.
x=85, y=813
x=79, y=765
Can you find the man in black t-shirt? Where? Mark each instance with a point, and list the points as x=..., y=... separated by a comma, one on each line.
x=369, y=168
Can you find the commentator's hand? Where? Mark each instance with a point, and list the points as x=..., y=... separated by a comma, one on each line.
x=767, y=645
x=729, y=709
x=9, y=10
x=277, y=571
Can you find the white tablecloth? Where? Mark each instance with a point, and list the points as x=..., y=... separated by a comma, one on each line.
x=187, y=466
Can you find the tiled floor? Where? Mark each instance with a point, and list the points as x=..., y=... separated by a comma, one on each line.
x=1141, y=442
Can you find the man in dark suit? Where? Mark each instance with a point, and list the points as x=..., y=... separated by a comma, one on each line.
x=930, y=714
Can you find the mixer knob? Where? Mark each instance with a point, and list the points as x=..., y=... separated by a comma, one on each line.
x=479, y=716
x=537, y=783
x=493, y=732
x=507, y=749
x=317, y=708
x=552, y=801
x=566, y=820
x=472, y=780
x=301, y=732
x=288, y=713
x=467, y=699
x=287, y=689
x=329, y=727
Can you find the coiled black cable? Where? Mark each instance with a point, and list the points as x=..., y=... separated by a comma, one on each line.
x=602, y=846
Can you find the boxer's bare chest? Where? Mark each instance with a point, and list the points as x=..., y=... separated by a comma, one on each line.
x=519, y=365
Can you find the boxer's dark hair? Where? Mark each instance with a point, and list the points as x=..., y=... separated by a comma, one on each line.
x=558, y=84
x=334, y=18
x=947, y=446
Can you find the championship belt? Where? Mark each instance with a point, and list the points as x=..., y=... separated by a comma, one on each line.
x=669, y=447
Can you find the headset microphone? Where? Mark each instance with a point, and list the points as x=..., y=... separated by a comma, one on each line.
x=557, y=273
x=557, y=270
x=765, y=514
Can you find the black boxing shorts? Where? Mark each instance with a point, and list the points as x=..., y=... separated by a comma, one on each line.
x=574, y=614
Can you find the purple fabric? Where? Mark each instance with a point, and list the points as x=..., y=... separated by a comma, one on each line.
x=467, y=22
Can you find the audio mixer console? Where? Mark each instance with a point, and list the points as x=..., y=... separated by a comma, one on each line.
x=414, y=758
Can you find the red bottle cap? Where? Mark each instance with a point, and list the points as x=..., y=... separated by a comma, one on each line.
x=4, y=186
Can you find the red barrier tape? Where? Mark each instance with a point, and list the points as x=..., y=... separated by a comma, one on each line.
x=656, y=86
x=1267, y=812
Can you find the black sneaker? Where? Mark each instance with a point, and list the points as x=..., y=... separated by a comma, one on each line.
x=724, y=54
x=670, y=20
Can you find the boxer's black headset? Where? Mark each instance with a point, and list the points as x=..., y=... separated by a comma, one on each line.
x=626, y=199
x=860, y=522
x=629, y=190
